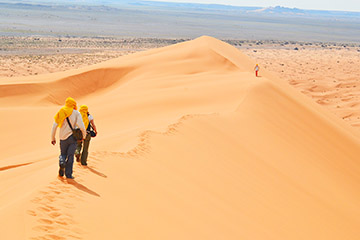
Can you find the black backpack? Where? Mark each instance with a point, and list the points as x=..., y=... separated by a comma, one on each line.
x=90, y=129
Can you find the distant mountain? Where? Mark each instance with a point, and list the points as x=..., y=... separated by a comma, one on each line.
x=277, y=10
x=280, y=10
x=174, y=20
x=198, y=6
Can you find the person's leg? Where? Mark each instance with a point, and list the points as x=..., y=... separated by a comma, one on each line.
x=63, y=148
x=70, y=156
x=78, y=151
x=85, y=151
x=62, y=157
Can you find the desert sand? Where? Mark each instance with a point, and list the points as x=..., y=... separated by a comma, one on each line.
x=329, y=75
x=191, y=145
x=325, y=72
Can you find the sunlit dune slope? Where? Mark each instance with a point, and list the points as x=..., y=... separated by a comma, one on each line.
x=272, y=169
x=191, y=145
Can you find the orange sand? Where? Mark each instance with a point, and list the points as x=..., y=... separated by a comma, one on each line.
x=191, y=146
x=329, y=76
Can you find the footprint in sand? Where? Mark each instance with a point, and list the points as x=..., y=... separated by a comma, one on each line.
x=46, y=221
x=31, y=213
x=55, y=237
x=51, y=220
x=55, y=215
x=44, y=228
x=52, y=211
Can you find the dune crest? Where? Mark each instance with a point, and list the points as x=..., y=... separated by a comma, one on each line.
x=191, y=145
x=78, y=85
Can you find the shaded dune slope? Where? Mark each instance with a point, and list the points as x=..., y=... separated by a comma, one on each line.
x=192, y=146
x=78, y=85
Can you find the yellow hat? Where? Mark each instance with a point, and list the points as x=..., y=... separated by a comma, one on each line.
x=84, y=108
x=84, y=114
x=71, y=103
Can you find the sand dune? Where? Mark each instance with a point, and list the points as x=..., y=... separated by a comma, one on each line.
x=327, y=75
x=191, y=146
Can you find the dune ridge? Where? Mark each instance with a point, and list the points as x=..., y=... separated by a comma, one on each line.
x=191, y=145
x=77, y=85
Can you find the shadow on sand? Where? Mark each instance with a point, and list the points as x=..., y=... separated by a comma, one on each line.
x=94, y=171
x=14, y=166
x=81, y=187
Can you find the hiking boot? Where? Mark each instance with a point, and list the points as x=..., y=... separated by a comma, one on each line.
x=71, y=177
x=61, y=172
x=84, y=164
x=77, y=157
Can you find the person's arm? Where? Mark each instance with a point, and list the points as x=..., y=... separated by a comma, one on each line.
x=93, y=125
x=53, y=133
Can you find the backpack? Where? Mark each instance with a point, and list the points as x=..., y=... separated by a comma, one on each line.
x=90, y=129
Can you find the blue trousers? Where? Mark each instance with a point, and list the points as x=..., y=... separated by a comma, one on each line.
x=67, y=149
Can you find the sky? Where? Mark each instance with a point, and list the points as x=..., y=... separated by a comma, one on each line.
x=339, y=5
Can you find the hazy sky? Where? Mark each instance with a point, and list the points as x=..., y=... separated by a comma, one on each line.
x=340, y=5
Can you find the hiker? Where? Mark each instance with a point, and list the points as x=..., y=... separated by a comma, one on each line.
x=256, y=68
x=90, y=132
x=67, y=118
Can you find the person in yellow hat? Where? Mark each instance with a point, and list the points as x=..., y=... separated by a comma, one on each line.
x=90, y=132
x=67, y=119
x=256, y=68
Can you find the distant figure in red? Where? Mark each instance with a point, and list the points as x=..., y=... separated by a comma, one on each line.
x=256, y=68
